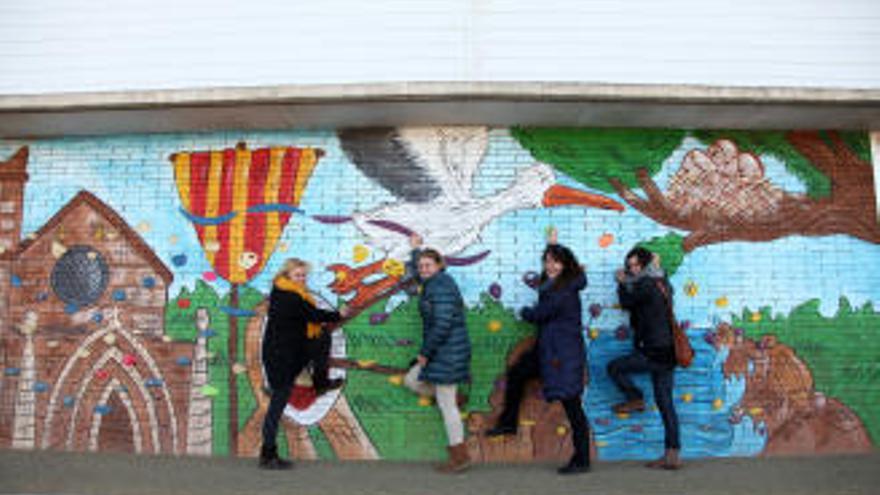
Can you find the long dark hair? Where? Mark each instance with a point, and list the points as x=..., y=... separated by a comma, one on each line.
x=571, y=269
x=642, y=255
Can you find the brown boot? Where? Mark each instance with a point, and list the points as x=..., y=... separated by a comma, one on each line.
x=636, y=405
x=669, y=460
x=459, y=459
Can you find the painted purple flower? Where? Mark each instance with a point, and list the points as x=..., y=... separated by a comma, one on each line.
x=495, y=290
x=595, y=310
x=738, y=331
x=622, y=332
x=532, y=279
x=603, y=421
x=404, y=342
x=710, y=338
x=378, y=318
x=637, y=428
x=685, y=325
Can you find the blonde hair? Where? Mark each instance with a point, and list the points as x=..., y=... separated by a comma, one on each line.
x=292, y=263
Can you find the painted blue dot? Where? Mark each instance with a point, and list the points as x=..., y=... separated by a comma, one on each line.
x=184, y=361
x=40, y=387
x=69, y=401
x=149, y=282
x=71, y=308
x=119, y=295
x=179, y=259
x=16, y=281
x=153, y=382
x=103, y=410
x=97, y=317
x=207, y=333
x=12, y=371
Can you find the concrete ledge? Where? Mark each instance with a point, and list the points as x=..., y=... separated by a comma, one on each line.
x=413, y=103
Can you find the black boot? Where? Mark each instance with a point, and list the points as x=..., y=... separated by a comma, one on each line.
x=576, y=465
x=269, y=459
x=500, y=430
x=331, y=384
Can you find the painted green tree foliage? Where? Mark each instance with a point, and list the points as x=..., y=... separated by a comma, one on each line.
x=595, y=156
x=842, y=351
x=669, y=247
x=833, y=165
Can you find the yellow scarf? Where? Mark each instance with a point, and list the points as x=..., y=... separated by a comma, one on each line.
x=313, y=330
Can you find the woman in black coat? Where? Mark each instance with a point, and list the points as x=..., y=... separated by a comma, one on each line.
x=559, y=357
x=294, y=325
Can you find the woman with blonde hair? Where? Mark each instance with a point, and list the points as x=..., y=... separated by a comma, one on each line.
x=294, y=324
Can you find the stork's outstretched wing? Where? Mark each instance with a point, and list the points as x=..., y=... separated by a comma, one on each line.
x=418, y=164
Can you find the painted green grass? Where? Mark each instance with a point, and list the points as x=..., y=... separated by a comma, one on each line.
x=399, y=426
x=843, y=351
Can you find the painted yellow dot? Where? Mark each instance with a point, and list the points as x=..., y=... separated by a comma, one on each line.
x=722, y=302
x=494, y=326
x=688, y=397
x=594, y=333
x=366, y=363
x=464, y=415
x=172, y=239
x=360, y=253
x=756, y=317
x=601, y=443
x=143, y=227
x=527, y=422
x=424, y=401
x=691, y=289
x=393, y=267
x=622, y=415
x=395, y=380
x=283, y=247
x=561, y=431
x=212, y=246
x=756, y=411
x=717, y=404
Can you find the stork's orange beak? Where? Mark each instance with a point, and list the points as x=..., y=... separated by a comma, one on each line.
x=564, y=196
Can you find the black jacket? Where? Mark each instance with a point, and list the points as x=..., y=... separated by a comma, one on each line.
x=284, y=342
x=649, y=317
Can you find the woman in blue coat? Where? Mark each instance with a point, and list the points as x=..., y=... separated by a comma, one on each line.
x=559, y=357
x=445, y=356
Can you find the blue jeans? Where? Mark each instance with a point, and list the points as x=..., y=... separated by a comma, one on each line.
x=661, y=377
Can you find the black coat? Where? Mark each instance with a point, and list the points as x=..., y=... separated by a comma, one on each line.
x=649, y=317
x=561, y=345
x=285, y=349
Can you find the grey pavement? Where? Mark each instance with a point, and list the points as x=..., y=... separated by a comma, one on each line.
x=40, y=472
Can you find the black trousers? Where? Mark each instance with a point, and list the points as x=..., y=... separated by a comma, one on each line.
x=526, y=368
x=662, y=376
x=281, y=377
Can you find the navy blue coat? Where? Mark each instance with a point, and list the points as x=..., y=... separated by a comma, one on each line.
x=445, y=340
x=561, y=347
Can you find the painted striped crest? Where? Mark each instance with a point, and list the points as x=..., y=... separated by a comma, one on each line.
x=240, y=200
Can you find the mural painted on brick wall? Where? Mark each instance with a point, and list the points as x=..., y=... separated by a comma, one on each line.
x=134, y=271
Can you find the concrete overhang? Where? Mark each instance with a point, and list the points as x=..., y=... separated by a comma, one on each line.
x=415, y=103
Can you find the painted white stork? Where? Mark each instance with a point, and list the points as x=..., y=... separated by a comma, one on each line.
x=430, y=170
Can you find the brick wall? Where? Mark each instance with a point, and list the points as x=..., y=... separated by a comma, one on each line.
x=119, y=332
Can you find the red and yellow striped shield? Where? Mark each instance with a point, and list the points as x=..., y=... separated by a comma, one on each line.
x=240, y=200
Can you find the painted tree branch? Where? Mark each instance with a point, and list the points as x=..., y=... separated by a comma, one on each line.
x=848, y=210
